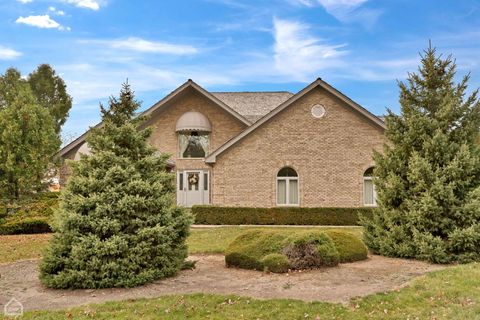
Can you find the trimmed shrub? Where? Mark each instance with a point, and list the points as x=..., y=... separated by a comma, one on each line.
x=350, y=248
x=248, y=249
x=275, y=262
x=310, y=249
x=278, y=251
x=32, y=214
x=279, y=216
x=26, y=226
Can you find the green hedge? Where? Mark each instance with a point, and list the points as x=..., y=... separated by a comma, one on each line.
x=279, y=216
x=26, y=226
x=32, y=214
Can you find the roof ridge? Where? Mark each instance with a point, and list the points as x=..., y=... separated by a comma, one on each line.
x=211, y=158
x=284, y=91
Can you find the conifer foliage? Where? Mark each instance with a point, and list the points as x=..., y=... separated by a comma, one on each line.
x=117, y=223
x=428, y=175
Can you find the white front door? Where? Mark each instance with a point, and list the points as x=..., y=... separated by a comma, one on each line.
x=192, y=187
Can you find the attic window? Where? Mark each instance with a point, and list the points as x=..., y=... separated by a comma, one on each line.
x=318, y=111
x=193, y=135
x=193, y=144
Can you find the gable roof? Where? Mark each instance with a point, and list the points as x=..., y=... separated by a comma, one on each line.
x=317, y=83
x=163, y=103
x=253, y=105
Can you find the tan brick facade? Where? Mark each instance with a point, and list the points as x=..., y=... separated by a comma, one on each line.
x=164, y=137
x=329, y=154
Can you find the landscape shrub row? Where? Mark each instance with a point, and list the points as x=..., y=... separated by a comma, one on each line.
x=33, y=214
x=280, y=251
x=279, y=216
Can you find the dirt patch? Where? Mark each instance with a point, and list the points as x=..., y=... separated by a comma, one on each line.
x=335, y=284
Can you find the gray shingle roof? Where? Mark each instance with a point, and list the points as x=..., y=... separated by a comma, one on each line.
x=253, y=105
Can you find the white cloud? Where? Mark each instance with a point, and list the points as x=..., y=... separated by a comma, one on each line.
x=346, y=11
x=142, y=45
x=25, y=1
x=332, y=5
x=54, y=10
x=87, y=4
x=42, y=21
x=300, y=54
x=8, y=53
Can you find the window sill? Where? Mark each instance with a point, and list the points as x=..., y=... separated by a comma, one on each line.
x=288, y=205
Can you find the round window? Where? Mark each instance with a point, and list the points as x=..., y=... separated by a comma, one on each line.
x=318, y=111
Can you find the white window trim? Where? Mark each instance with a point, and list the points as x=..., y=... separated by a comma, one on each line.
x=287, y=191
x=374, y=204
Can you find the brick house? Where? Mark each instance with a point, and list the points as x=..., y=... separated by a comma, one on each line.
x=263, y=149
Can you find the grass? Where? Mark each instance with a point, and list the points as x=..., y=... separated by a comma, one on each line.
x=21, y=247
x=447, y=294
x=201, y=240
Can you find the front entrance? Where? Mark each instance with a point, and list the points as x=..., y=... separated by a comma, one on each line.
x=192, y=187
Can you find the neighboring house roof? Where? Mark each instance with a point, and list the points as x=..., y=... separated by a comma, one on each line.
x=163, y=103
x=253, y=105
x=317, y=83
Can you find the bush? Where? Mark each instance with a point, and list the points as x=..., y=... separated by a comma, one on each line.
x=32, y=214
x=279, y=216
x=26, y=226
x=248, y=249
x=307, y=250
x=278, y=251
x=275, y=262
x=350, y=248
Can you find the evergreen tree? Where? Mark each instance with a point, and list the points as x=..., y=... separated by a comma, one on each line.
x=428, y=175
x=117, y=223
x=51, y=93
x=27, y=138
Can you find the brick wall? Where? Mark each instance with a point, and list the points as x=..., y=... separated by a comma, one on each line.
x=164, y=137
x=329, y=154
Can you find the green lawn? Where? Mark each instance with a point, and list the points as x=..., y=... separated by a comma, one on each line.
x=201, y=240
x=452, y=293
x=23, y=246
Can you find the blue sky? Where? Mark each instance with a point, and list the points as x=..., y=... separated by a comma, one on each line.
x=362, y=47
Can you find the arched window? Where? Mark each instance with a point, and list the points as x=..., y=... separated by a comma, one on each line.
x=287, y=187
x=369, y=192
x=193, y=130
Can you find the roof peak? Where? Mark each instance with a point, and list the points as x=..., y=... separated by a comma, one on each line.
x=284, y=91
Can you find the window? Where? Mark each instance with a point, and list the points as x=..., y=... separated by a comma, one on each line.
x=369, y=192
x=287, y=187
x=205, y=181
x=193, y=144
x=180, y=181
